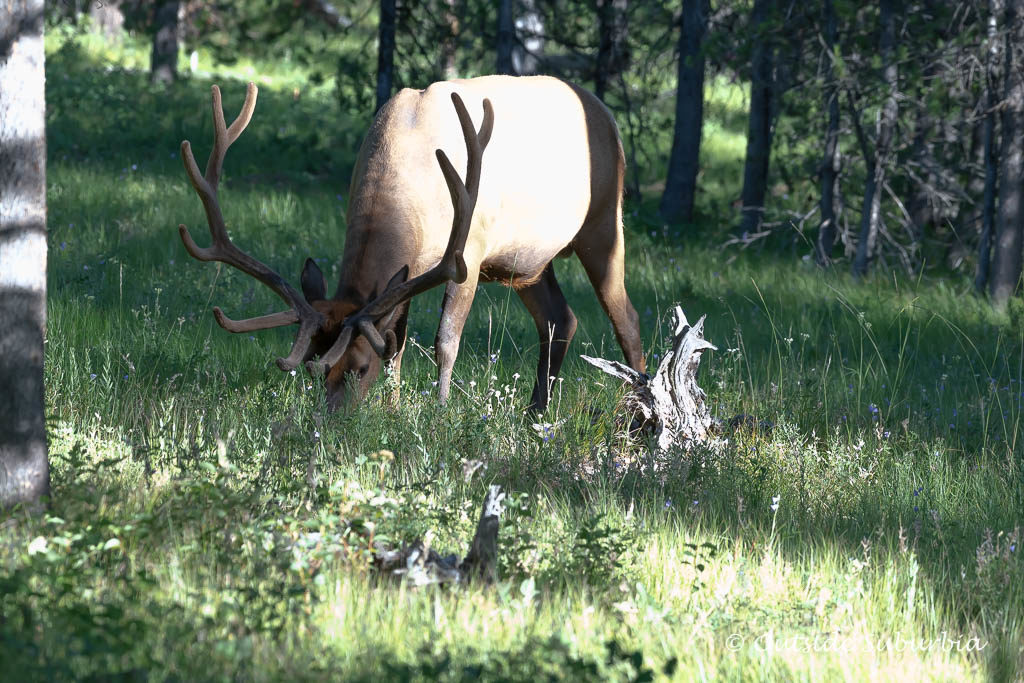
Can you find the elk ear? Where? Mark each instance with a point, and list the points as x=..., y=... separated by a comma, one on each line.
x=386, y=325
x=314, y=286
x=398, y=278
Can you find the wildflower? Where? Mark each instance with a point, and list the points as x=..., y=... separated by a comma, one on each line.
x=494, y=358
x=775, y=503
x=668, y=503
x=92, y=375
x=292, y=373
x=316, y=434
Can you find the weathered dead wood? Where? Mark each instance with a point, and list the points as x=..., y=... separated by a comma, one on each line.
x=669, y=406
x=421, y=565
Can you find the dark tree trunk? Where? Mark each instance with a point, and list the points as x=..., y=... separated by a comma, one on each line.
x=684, y=163
x=163, y=59
x=871, y=214
x=759, y=127
x=385, y=52
x=451, y=40
x=24, y=472
x=506, y=37
x=830, y=159
x=611, y=50
x=988, y=205
x=1009, y=236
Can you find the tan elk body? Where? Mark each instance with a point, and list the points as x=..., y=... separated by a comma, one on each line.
x=543, y=179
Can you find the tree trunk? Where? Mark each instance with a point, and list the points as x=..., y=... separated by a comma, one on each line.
x=684, y=163
x=871, y=214
x=528, y=39
x=24, y=472
x=1009, y=237
x=830, y=159
x=506, y=37
x=107, y=18
x=988, y=206
x=449, y=47
x=759, y=128
x=163, y=61
x=385, y=52
x=611, y=49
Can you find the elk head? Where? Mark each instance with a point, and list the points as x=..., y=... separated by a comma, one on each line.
x=334, y=339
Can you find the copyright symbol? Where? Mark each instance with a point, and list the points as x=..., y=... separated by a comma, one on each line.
x=734, y=642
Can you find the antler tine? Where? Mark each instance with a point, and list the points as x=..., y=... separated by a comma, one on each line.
x=263, y=322
x=224, y=250
x=452, y=265
x=224, y=136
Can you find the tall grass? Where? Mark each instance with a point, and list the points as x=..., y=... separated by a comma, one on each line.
x=211, y=521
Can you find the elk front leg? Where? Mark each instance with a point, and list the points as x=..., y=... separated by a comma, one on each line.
x=556, y=325
x=401, y=330
x=457, y=301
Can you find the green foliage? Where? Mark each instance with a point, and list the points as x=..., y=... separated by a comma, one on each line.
x=549, y=660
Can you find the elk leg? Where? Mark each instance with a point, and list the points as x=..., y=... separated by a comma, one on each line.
x=454, y=310
x=600, y=250
x=401, y=329
x=556, y=325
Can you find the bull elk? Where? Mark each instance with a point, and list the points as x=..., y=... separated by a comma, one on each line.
x=552, y=186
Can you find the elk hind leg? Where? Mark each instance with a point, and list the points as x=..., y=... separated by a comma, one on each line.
x=600, y=249
x=556, y=325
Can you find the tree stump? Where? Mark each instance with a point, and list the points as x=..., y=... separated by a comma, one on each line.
x=669, y=406
x=421, y=565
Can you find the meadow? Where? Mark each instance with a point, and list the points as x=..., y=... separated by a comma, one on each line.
x=211, y=521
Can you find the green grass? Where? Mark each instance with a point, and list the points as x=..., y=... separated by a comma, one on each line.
x=210, y=520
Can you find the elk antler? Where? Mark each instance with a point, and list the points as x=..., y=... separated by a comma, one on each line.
x=452, y=265
x=225, y=251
